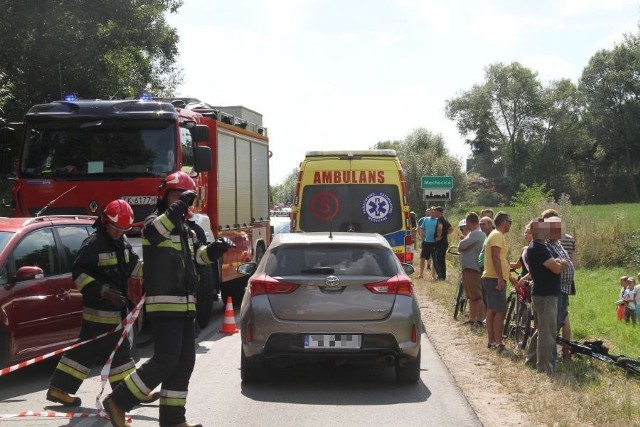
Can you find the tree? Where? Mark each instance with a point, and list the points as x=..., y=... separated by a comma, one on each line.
x=93, y=48
x=500, y=117
x=612, y=90
x=562, y=141
x=424, y=154
x=285, y=191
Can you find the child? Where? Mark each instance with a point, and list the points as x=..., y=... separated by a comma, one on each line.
x=630, y=302
x=620, y=303
x=636, y=293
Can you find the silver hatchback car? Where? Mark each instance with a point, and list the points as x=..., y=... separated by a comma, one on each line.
x=340, y=296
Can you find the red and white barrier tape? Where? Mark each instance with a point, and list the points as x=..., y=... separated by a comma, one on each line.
x=126, y=325
x=49, y=414
x=104, y=373
x=131, y=317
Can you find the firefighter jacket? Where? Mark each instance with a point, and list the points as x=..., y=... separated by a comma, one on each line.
x=170, y=251
x=103, y=261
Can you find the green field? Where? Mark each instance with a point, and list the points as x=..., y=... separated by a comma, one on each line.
x=593, y=311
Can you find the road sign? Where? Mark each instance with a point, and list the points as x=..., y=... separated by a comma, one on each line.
x=429, y=182
x=437, y=194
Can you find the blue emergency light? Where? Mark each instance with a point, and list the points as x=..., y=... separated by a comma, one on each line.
x=145, y=96
x=70, y=97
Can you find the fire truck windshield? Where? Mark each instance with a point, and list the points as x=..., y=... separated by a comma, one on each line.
x=98, y=149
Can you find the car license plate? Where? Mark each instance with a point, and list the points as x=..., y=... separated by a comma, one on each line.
x=338, y=341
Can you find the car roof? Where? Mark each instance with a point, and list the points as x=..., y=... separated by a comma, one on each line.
x=326, y=237
x=16, y=224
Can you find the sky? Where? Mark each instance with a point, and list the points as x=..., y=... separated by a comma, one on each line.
x=346, y=74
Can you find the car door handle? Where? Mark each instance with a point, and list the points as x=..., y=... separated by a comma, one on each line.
x=62, y=294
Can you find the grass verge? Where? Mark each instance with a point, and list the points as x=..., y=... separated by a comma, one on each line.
x=582, y=392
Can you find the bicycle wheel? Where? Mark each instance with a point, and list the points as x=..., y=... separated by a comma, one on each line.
x=509, y=324
x=459, y=303
x=632, y=366
x=524, y=325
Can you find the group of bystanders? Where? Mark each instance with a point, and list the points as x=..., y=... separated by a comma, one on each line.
x=547, y=266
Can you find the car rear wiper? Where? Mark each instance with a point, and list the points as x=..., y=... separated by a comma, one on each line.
x=318, y=270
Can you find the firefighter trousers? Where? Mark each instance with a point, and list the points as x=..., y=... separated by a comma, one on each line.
x=171, y=366
x=75, y=365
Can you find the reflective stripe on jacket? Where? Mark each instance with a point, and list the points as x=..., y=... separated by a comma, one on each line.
x=102, y=261
x=169, y=272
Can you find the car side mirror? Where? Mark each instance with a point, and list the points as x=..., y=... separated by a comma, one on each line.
x=29, y=273
x=247, y=268
x=408, y=268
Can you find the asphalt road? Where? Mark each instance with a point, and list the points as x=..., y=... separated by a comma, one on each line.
x=306, y=395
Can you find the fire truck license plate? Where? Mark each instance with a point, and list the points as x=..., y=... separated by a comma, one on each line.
x=139, y=200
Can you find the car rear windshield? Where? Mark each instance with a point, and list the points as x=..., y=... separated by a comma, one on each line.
x=349, y=207
x=331, y=259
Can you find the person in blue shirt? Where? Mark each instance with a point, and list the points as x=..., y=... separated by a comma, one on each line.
x=427, y=232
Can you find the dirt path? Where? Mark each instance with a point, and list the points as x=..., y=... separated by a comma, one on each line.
x=472, y=367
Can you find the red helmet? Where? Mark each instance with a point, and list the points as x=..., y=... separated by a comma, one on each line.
x=119, y=214
x=175, y=181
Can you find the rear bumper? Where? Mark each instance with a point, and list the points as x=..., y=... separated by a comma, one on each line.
x=275, y=338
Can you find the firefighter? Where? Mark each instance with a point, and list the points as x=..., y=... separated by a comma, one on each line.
x=100, y=271
x=171, y=251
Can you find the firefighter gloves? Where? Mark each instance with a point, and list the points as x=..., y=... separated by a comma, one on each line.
x=188, y=197
x=218, y=247
x=114, y=297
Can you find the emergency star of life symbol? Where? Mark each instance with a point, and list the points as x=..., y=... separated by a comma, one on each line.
x=377, y=207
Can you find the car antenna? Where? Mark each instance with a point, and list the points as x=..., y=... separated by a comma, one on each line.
x=53, y=201
x=331, y=229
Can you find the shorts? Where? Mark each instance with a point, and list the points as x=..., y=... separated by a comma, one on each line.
x=427, y=250
x=472, y=282
x=563, y=308
x=494, y=299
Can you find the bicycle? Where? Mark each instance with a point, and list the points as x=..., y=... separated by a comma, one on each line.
x=597, y=350
x=459, y=298
x=509, y=323
x=519, y=318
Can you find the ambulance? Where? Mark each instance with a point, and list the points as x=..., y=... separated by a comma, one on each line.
x=358, y=191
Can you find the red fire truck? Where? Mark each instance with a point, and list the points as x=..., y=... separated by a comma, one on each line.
x=78, y=155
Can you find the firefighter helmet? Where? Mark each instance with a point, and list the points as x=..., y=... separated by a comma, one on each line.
x=119, y=214
x=175, y=181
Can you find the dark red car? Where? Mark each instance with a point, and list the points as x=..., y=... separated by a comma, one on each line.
x=40, y=308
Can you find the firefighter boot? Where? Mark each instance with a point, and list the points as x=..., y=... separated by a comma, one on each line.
x=151, y=397
x=59, y=396
x=116, y=414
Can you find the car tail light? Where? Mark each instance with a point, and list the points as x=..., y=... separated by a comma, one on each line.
x=398, y=285
x=414, y=334
x=408, y=248
x=267, y=285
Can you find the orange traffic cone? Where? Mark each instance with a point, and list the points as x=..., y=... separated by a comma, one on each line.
x=229, y=323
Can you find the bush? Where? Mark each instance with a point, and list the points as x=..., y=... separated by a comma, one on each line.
x=485, y=197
